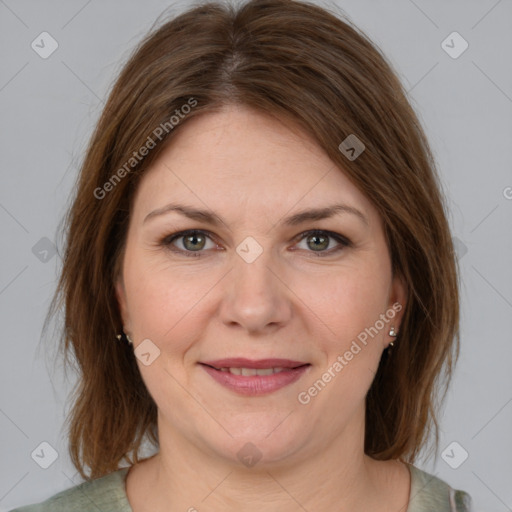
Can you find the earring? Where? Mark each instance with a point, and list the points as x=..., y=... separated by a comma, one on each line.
x=123, y=335
x=392, y=333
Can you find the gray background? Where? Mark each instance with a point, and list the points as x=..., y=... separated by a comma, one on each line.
x=49, y=107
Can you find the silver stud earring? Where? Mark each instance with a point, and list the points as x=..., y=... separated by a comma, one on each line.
x=123, y=335
x=393, y=334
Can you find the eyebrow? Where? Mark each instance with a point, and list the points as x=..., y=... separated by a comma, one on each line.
x=298, y=218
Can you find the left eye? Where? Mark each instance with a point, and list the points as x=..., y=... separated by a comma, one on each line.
x=321, y=240
x=193, y=242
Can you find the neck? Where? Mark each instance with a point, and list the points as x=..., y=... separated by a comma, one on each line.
x=185, y=476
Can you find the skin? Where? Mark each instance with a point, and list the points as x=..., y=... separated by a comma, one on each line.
x=253, y=171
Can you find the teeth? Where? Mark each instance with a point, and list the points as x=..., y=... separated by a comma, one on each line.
x=248, y=372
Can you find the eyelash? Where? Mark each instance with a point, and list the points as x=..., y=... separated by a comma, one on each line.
x=343, y=241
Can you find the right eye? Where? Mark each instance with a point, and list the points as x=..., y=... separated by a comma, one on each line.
x=192, y=241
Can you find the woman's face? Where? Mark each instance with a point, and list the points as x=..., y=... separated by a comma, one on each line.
x=255, y=281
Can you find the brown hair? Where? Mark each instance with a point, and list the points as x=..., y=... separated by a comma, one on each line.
x=300, y=63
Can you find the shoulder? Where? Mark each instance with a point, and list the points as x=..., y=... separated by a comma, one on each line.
x=429, y=492
x=107, y=494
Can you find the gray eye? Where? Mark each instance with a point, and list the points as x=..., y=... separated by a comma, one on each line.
x=317, y=242
x=194, y=241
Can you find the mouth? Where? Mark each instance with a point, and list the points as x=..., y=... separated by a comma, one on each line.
x=248, y=367
x=249, y=372
x=255, y=377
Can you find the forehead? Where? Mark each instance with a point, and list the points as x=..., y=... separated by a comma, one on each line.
x=239, y=160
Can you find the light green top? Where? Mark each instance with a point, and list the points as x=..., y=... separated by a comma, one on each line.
x=108, y=494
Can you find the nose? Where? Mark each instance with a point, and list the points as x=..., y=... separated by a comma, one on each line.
x=255, y=296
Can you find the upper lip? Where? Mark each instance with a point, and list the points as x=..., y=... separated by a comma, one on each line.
x=241, y=362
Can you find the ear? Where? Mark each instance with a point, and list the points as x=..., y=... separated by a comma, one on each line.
x=398, y=299
x=123, y=303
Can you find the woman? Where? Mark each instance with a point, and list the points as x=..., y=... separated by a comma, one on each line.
x=259, y=222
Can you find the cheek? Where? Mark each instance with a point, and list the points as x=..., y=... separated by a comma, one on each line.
x=348, y=300
x=165, y=307
x=165, y=304
x=350, y=306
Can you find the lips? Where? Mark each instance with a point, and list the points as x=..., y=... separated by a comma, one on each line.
x=240, y=362
x=250, y=377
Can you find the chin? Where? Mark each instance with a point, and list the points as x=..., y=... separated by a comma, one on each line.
x=262, y=446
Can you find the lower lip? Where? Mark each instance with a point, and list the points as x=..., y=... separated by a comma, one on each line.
x=256, y=384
